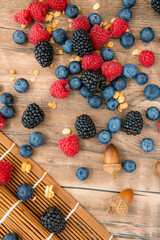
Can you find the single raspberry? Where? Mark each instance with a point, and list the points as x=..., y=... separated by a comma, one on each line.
x=159, y=126
x=111, y=70
x=58, y=5
x=146, y=58
x=37, y=34
x=5, y=172
x=118, y=27
x=38, y=11
x=81, y=23
x=99, y=36
x=2, y=122
x=69, y=145
x=23, y=17
x=92, y=61
x=60, y=89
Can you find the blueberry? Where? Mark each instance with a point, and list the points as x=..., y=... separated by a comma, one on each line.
x=127, y=40
x=108, y=92
x=19, y=37
x=26, y=151
x=95, y=19
x=59, y=36
x=119, y=84
x=82, y=173
x=129, y=166
x=36, y=139
x=25, y=192
x=21, y=85
x=72, y=11
x=75, y=83
x=74, y=67
x=104, y=136
x=126, y=14
x=10, y=236
x=147, y=145
x=130, y=70
x=7, y=112
x=107, y=54
x=114, y=125
x=6, y=98
x=68, y=46
x=152, y=113
x=128, y=3
x=95, y=101
x=62, y=72
x=141, y=78
x=84, y=92
x=112, y=104
x=151, y=91
x=147, y=34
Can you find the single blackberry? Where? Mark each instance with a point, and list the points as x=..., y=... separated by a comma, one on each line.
x=94, y=81
x=32, y=116
x=53, y=220
x=85, y=126
x=156, y=5
x=133, y=123
x=81, y=43
x=43, y=52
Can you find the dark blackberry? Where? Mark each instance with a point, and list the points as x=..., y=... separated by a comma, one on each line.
x=85, y=126
x=133, y=123
x=32, y=116
x=94, y=81
x=43, y=52
x=156, y=5
x=81, y=43
x=53, y=220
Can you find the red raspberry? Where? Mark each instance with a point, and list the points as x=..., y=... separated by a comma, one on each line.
x=92, y=61
x=60, y=89
x=5, y=172
x=111, y=70
x=58, y=5
x=2, y=122
x=23, y=17
x=81, y=23
x=38, y=11
x=118, y=27
x=146, y=58
x=69, y=145
x=37, y=34
x=99, y=36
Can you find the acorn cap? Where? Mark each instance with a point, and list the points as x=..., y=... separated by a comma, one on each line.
x=112, y=169
x=117, y=206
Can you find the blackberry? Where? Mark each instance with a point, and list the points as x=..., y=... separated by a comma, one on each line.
x=53, y=220
x=94, y=81
x=156, y=5
x=81, y=43
x=43, y=52
x=85, y=126
x=133, y=123
x=32, y=116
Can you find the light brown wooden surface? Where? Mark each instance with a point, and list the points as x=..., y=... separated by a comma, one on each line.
x=142, y=221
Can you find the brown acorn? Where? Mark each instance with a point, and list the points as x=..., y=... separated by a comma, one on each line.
x=111, y=159
x=157, y=167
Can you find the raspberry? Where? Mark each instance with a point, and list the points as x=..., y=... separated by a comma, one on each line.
x=37, y=34
x=99, y=36
x=60, y=89
x=81, y=23
x=2, y=122
x=159, y=126
x=92, y=61
x=38, y=11
x=58, y=5
x=111, y=70
x=146, y=58
x=69, y=145
x=118, y=27
x=23, y=17
x=5, y=170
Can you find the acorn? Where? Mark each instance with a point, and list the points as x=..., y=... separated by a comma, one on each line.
x=111, y=159
x=119, y=204
x=157, y=167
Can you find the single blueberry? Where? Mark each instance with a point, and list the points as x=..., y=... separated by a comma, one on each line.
x=126, y=14
x=25, y=192
x=104, y=136
x=128, y=3
x=147, y=34
x=114, y=125
x=7, y=112
x=108, y=92
x=19, y=37
x=75, y=83
x=119, y=84
x=129, y=166
x=74, y=67
x=72, y=11
x=151, y=92
x=147, y=145
x=82, y=173
x=10, y=236
x=59, y=36
x=95, y=101
x=36, y=139
x=107, y=54
x=68, y=46
x=95, y=19
x=141, y=78
x=112, y=104
x=26, y=151
x=152, y=113
x=62, y=72
x=21, y=85
x=6, y=98
x=130, y=70
x=84, y=92
x=127, y=40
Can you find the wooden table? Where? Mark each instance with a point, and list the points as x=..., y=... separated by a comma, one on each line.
x=142, y=221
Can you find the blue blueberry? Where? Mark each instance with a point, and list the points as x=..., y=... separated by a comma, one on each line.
x=152, y=113
x=59, y=36
x=10, y=236
x=21, y=85
x=114, y=125
x=25, y=192
x=94, y=19
x=147, y=145
x=107, y=54
x=95, y=101
x=74, y=67
x=72, y=11
x=36, y=139
x=119, y=84
x=130, y=70
x=19, y=37
x=128, y=3
x=26, y=151
x=6, y=98
x=151, y=92
x=62, y=72
x=141, y=78
x=129, y=166
x=84, y=92
x=75, y=83
x=147, y=34
x=104, y=136
x=108, y=92
x=112, y=104
x=7, y=112
x=126, y=14
x=82, y=173
x=68, y=46
x=127, y=40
